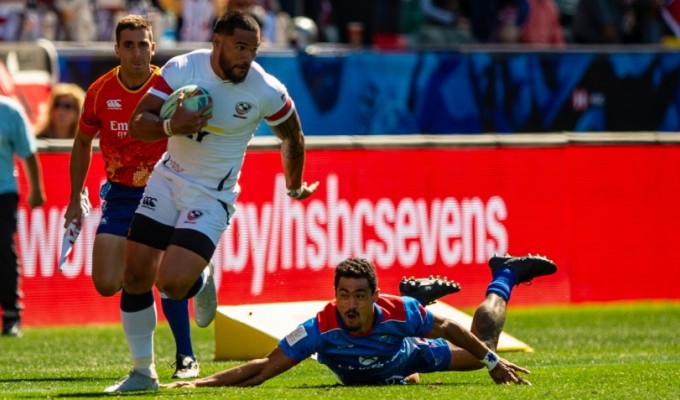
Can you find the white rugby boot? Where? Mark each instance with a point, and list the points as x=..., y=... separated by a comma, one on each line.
x=205, y=302
x=133, y=382
x=185, y=368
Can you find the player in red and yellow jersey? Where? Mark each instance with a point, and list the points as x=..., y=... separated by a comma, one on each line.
x=109, y=103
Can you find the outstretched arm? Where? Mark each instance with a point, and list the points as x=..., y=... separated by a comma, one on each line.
x=293, y=156
x=500, y=370
x=251, y=373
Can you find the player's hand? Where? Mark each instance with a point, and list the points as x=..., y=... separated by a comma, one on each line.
x=73, y=211
x=308, y=190
x=187, y=122
x=506, y=373
x=179, y=385
x=36, y=198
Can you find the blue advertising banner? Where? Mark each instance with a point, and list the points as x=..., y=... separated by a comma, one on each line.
x=464, y=92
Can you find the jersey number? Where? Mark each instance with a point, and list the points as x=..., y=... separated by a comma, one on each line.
x=198, y=136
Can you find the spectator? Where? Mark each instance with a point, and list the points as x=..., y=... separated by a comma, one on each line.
x=651, y=25
x=276, y=25
x=497, y=20
x=11, y=20
x=395, y=23
x=50, y=21
x=61, y=119
x=78, y=20
x=567, y=9
x=354, y=13
x=445, y=22
x=599, y=21
x=248, y=6
x=107, y=13
x=197, y=19
x=542, y=26
x=142, y=7
x=510, y=18
x=16, y=137
x=240, y=5
x=323, y=15
x=618, y=21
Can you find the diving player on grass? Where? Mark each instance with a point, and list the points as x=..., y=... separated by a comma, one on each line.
x=366, y=337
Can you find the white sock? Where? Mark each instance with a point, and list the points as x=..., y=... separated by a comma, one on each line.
x=139, y=328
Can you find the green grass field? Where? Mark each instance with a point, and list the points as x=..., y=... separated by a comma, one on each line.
x=613, y=351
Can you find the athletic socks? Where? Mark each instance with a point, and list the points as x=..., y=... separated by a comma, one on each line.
x=138, y=314
x=502, y=283
x=177, y=314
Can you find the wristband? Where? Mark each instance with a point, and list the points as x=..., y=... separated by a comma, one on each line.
x=490, y=360
x=296, y=193
x=166, y=127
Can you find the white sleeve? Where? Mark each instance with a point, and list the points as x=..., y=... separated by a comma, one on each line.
x=278, y=105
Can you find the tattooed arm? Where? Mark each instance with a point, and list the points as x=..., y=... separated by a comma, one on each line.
x=293, y=157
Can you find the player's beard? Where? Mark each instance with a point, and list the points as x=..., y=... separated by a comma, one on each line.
x=230, y=71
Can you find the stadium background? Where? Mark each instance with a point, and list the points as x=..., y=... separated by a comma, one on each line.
x=427, y=201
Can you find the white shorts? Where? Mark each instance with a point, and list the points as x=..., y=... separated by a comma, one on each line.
x=174, y=201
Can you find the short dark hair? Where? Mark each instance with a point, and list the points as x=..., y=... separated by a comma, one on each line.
x=235, y=19
x=132, y=22
x=357, y=268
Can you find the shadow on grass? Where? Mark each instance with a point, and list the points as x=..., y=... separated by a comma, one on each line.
x=145, y=393
x=100, y=393
x=340, y=385
x=47, y=379
x=96, y=393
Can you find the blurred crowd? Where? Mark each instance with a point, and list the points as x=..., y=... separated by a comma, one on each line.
x=386, y=23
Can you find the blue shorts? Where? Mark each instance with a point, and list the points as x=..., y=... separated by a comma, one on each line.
x=433, y=355
x=119, y=203
x=425, y=355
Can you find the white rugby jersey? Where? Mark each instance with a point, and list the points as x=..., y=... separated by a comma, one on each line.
x=213, y=158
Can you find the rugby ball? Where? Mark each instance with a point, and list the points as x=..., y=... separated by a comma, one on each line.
x=195, y=98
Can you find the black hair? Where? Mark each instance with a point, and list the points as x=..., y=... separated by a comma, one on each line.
x=357, y=268
x=232, y=20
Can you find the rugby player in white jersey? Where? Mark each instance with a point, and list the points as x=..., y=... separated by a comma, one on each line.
x=192, y=190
